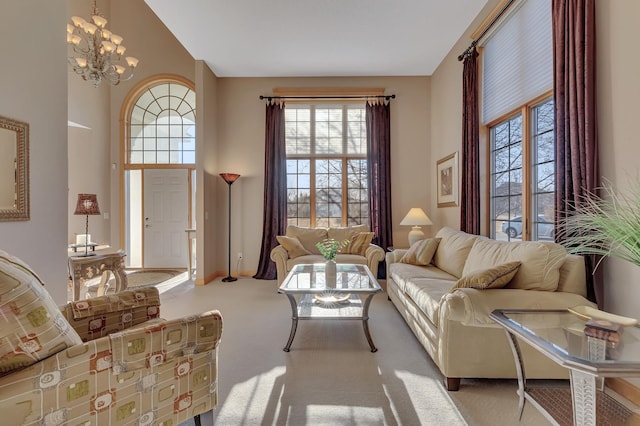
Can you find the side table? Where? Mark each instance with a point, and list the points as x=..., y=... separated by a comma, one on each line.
x=84, y=268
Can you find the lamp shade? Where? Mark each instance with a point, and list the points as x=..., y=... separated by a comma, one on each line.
x=416, y=217
x=229, y=177
x=87, y=205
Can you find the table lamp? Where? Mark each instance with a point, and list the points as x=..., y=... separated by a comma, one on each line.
x=415, y=218
x=87, y=205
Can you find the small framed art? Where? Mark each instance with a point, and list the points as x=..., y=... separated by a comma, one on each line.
x=447, y=171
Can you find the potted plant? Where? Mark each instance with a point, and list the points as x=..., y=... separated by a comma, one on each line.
x=607, y=225
x=330, y=248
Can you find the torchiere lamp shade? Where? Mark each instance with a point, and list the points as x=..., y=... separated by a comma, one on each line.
x=229, y=177
x=87, y=205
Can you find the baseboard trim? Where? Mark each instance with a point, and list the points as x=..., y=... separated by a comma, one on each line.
x=624, y=388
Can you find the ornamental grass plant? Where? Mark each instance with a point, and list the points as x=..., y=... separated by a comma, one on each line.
x=607, y=225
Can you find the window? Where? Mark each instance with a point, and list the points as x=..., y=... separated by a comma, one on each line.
x=162, y=129
x=522, y=174
x=518, y=111
x=326, y=165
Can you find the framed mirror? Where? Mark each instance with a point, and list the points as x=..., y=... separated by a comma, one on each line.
x=14, y=170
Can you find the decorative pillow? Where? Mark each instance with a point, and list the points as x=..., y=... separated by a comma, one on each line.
x=496, y=277
x=293, y=246
x=421, y=252
x=32, y=326
x=359, y=243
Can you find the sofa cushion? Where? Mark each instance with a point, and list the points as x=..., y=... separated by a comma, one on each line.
x=346, y=233
x=359, y=243
x=453, y=250
x=308, y=237
x=494, y=277
x=427, y=294
x=31, y=325
x=401, y=273
x=540, y=262
x=421, y=252
x=293, y=246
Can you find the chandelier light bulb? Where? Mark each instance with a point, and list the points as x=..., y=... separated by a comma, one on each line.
x=99, y=21
x=90, y=28
x=120, y=50
x=108, y=46
x=77, y=21
x=69, y=29
x=120, y=69
x=82, y=62
x=116, y=39
x=133, y=62
x=106, y=34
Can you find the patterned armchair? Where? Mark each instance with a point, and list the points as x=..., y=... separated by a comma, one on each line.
x=107, y=360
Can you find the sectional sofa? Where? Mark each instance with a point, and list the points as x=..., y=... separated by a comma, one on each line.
x=446, y=299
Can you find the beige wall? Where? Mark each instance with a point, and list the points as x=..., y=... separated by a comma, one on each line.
x=618, y=94
x=241, y=137
x=33, y=84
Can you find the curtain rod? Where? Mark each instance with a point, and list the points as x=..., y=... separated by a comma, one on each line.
x=386, y=97
x=482, y=34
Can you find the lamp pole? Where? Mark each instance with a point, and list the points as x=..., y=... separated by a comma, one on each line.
x=229, y=178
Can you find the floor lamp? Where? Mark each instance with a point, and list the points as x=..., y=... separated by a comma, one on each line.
x=87, y=205
x=229, y=178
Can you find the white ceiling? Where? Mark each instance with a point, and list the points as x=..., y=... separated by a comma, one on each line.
x=305, y=38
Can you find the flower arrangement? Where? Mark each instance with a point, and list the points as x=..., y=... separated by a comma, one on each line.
x=606, y=226
x=330, y=248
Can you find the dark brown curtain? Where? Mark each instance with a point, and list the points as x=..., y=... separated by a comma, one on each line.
x=379, y=173
x=577, y=172
x=470, y=188
x=274, y=220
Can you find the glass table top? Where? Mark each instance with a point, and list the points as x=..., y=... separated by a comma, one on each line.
x=312, y=278
x=561, y=333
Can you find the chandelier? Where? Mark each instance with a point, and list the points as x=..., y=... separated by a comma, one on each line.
x=97, y=52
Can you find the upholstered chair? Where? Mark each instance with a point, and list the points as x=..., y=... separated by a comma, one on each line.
x=108, y=360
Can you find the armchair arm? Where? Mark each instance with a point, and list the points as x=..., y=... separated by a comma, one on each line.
x=374, y=255
x=280, y=256
x=158, y=343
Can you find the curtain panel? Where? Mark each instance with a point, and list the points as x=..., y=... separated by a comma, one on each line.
x=274, y=220
x=577, y=170
x=378, y=119
x=470, y=188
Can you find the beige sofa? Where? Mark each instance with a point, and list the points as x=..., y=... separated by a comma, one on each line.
x=286, y=258
x=453, y=325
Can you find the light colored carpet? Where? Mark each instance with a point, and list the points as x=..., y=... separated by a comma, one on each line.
x=330, y=377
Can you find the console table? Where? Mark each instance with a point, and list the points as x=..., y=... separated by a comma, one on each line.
x=559, y=335
x=84, y=268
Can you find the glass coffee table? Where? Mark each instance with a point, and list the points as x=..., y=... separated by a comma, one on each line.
x=343, y=295
x=559, y=335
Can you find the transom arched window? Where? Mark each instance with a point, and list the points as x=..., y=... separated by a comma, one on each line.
x=162, y=126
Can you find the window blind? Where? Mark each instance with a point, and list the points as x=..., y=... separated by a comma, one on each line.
x=517, y=59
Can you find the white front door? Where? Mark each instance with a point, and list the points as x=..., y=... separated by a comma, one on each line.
x=165, y=213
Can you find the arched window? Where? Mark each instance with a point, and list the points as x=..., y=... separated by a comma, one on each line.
x=162, y=126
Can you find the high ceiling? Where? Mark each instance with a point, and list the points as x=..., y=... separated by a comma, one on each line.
x=305, y=38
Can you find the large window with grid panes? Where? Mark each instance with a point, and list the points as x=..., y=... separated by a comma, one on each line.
x=326, y=148
x=522, y=153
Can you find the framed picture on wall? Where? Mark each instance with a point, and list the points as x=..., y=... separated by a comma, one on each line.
x=447, y=179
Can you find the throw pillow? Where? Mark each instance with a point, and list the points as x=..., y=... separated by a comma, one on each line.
x=496, y=277
x=32, y=326
x=293, y=246
x=421, y=252
x=359, y=243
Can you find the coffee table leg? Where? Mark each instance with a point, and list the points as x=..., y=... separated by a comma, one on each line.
x=294, y=322
x=522, y=378
x=365, y=322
